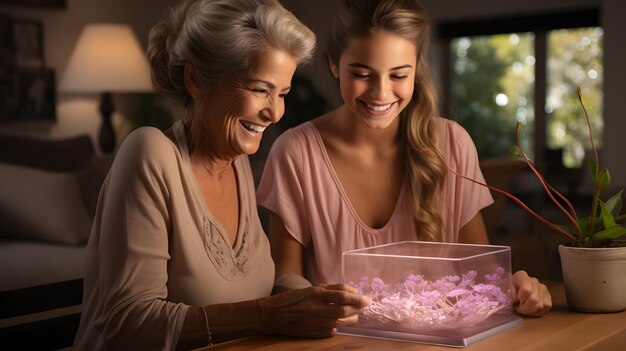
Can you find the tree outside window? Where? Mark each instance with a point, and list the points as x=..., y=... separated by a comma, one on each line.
x=498, y=79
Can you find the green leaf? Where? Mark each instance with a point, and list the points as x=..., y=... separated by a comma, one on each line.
x=514, y=152
x=614, y=204
x=607, y=217
x=582, y=223
x=604, y=179
x=610, y=233
x=591, y=163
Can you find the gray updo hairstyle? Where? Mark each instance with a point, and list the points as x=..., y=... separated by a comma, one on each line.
x=219, y=37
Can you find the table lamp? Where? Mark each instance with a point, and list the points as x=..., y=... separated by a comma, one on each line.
x=107, y=58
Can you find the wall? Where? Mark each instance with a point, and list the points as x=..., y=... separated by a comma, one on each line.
x=613, y=14
x=316, y=15
x=78, y=113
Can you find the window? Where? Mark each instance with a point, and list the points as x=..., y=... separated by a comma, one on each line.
x=526, y=69
x=574, y=58
x=491, y=87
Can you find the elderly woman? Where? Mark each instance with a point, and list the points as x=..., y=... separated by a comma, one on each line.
x=177, y=255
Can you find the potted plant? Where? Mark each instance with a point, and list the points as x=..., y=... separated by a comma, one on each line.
x=594, y=260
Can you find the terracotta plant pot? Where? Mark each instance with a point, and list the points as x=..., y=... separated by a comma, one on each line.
x=594, y=278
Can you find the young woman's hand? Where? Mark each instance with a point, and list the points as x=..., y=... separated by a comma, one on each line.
x=314, y=311
x=533, y=297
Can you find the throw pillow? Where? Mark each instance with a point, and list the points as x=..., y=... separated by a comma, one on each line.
x=41, y=205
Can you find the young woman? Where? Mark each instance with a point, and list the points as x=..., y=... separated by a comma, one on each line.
x=177, y=257
x=373, y=171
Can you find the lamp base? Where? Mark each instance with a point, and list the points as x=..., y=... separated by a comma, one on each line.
x=107, y=134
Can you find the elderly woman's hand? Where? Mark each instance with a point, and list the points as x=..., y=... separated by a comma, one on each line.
x=533, y=297
x=313, y=312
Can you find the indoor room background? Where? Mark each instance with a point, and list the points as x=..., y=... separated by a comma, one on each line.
x=77, y=113
x=456, y=23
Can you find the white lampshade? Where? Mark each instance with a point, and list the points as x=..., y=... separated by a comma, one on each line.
x=107, y=57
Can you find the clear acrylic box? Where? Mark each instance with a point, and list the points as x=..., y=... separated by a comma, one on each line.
x=444, y=294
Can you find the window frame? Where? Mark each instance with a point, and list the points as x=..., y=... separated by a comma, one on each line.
x=540, y=25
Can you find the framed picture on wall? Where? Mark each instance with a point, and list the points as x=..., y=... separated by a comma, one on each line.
x=8, y=86
x=7, y=56
x=8, y=97
x=42, y=3
x=37, y=95
x=28, y=43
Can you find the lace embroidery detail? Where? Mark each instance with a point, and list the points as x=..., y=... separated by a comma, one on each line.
x=232, y=266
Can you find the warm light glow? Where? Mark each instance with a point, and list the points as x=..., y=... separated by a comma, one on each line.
x=464, y=45
x=107, y=57
x=502, y=99
x=592, y=73
x=559, y=133
x=521, y=115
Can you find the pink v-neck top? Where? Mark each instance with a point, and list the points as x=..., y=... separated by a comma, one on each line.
x=300, y=185
x=155, y=249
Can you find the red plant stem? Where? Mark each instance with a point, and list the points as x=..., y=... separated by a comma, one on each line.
x=513, y=198
x=543, y=181
x=562, y=197
x=593, y=145
x=596, y=193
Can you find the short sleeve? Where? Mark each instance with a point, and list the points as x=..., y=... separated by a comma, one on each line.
x=282, y=186
x=472, y=197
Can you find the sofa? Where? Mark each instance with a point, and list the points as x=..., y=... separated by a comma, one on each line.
x=48, y=194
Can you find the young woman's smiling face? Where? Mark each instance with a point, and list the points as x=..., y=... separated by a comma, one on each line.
x=377, y=77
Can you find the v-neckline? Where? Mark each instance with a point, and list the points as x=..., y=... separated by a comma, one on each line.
x=344, y=194
x=181, y=139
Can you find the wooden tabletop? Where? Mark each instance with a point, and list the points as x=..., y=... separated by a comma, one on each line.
x=560, y=329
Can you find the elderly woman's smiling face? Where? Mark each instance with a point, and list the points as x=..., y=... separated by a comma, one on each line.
x=234, y=113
